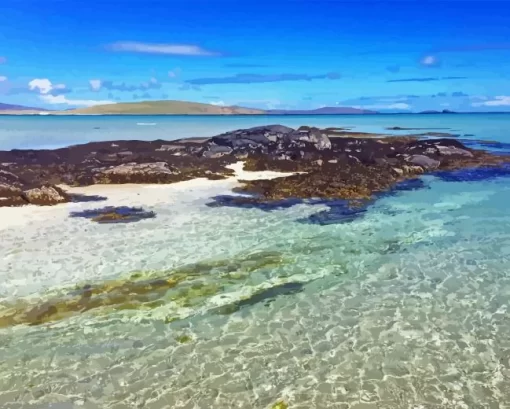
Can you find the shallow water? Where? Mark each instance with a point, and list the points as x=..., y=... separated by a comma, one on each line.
x=51, y=131
x=404, y=307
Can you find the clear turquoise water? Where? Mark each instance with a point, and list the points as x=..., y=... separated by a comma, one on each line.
x=407, y=307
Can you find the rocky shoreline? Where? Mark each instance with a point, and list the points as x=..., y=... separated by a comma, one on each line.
x=333, y=163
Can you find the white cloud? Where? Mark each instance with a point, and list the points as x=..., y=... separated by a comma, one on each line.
x=3, y=78
x=218, y=103
x=399, y=105
x=429, y=60
x=168, y=49
x=500, y=100
x=61, y=100
x=44, y=86
x=95, y=84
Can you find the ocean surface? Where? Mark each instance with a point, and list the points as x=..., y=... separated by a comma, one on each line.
x=402, y=306
x=57, y=131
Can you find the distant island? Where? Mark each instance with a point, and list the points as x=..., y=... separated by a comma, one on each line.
x=174, y=108
x=170, y=107
x=138, y=108
x=444, y=111
x=321, y=111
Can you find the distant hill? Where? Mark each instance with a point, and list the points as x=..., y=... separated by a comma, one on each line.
x=10, y=107
x=174, y=108
x=321, y=111
x=161, y=108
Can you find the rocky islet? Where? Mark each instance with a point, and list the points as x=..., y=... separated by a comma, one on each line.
x=329, y=163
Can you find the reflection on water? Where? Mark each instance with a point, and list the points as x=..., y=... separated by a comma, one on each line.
x=225, y=307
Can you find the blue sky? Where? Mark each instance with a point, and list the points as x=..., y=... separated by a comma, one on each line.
x=389, y=56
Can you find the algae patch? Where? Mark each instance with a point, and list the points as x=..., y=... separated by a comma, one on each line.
x=187, y=286
x=184, y=339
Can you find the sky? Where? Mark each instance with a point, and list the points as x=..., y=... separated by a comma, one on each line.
x=388, y=56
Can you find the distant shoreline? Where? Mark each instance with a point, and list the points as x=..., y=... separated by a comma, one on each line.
x=53, y=114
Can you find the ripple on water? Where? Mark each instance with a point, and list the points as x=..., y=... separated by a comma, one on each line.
x=406, y=307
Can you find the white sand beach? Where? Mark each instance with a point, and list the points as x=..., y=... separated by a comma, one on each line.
x=133, y=195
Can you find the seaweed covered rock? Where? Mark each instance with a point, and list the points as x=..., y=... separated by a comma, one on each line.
x=334, y=162
x=110, y=214
x=185, y=286
x=14, y=191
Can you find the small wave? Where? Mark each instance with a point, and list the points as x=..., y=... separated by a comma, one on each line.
x=146, y=123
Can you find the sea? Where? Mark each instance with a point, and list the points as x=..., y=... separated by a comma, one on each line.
x=404, y=304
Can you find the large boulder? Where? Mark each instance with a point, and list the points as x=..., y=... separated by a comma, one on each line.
x=252, y=138
x=153, y=172
x=46, y=195
x=424, y=161
x=217, y=151
x=309, y=135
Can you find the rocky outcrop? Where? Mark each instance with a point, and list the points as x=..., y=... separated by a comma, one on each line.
x=333, y=162
x=46, y=195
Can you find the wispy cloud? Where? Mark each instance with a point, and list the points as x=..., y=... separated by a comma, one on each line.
x=145, y=95
x=427, y=79
x=241, y=65
x=430, y=61
x=259, y=78
x=189, y=87
x=174, y=73
x=97, y=85
x=62, y=100
x=501, y=100
x=400, y=106
x=161, y=49
x=3, y=78
x=458, y=94
x=3, y=60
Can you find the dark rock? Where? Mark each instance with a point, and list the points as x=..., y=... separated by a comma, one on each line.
x=310, y=135
x=216, y=151
x=79, y=198
x=112, y=214
x=256, y=137
x=424, y=161
x=46, y=195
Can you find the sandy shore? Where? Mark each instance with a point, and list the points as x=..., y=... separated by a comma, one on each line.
x=132, y=195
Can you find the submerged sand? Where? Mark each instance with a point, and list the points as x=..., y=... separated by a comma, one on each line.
x=404, y=308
